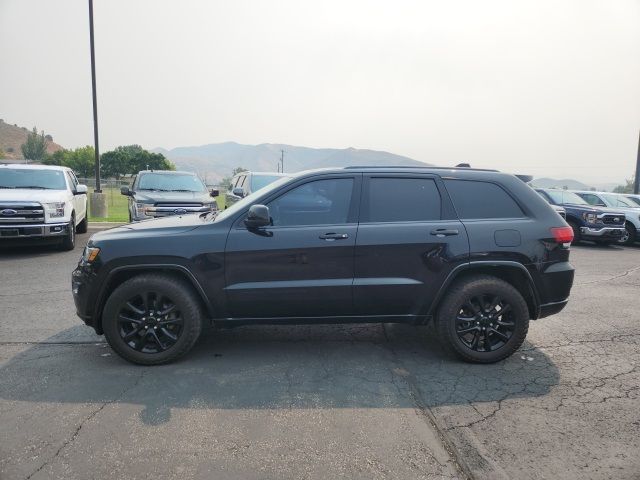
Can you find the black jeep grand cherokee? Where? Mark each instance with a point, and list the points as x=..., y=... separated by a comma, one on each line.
x=477, y=252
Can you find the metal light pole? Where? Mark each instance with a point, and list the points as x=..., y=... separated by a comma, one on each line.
x=98, y=199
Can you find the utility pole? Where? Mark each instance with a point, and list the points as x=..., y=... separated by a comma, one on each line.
x=282, y=160
x=636, y=183
x=98, y=200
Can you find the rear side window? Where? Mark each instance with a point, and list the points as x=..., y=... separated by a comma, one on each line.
x=402, y=200
x=474, y=199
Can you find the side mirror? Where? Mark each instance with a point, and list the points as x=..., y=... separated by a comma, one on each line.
x=215, y=193
x=238, y=192
x=80, y=189
x=258, y=216
x=125, y=191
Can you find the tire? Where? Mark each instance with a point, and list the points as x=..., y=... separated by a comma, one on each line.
x=83, y=225
x=630, y=236
x=500, y=340
x=576, y=232
x=69, y=240
x=145, y=346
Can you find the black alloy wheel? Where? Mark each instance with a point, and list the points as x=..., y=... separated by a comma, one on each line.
x=150, y=322
x=152, y=318
x=484, y=323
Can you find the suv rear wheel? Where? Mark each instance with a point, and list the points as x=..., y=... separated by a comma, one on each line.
x=152, y=319
x=483, y=319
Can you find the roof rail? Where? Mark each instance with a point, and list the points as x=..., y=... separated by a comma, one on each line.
x=425, y=167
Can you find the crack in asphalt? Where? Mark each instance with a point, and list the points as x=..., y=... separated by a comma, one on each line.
x=91, y=415
x=422, y=409
x=608, y=279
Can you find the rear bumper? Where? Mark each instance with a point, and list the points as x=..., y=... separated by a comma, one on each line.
x=554, y=287
x=34, y=231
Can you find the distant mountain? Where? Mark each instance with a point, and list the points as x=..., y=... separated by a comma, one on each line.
x=217, y=160
x=555, y=183
x=12, y=137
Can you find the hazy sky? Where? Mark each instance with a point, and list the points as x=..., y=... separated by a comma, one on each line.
x=550, y=88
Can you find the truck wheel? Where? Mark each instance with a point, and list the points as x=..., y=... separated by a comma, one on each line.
x=576, y=232
x=629, y=236
x=483, y=319
x=83, y=225
x=152, y=319
x=69, y=240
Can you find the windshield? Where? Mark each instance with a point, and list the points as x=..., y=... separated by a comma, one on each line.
x=261, y=181
x=170, y=182
x=249, y=199
x=32, y=178
x=617, y=201
x=562, y=196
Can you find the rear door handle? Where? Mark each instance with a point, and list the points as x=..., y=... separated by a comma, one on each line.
x=333, y=236
x=444, y=232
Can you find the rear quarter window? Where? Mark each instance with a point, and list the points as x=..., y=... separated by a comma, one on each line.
x=474, y=199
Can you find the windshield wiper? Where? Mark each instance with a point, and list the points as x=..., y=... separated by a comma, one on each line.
x=33, y=186
x=154, y=189
x=6, y=186
x=180, y=190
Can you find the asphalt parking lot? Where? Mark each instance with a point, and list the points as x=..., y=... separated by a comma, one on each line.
x=318, y=402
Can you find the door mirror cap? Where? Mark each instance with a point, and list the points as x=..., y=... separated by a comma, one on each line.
x=258, y=216
x=215, y=193
x=238, y=192
x=125, y=191
x=80, y=189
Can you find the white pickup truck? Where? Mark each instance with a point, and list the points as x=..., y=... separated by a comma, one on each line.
x=41, y=201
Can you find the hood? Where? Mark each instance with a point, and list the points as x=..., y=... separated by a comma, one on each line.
x=153, y=227
x=178, y=197
x=31, y=195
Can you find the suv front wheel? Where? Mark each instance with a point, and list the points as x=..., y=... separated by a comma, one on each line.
x=152, y=319
x=483, y=319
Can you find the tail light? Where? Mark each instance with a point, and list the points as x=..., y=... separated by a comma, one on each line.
x=562, y=234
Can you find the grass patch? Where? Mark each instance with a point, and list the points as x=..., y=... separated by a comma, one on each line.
x=117, y=207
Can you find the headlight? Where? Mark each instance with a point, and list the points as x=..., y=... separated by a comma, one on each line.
x=90, y=254
x=141, y=208
x=590, y=217
x=212, y=205
x=55, y=209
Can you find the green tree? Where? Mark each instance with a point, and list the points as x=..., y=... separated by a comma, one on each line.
x=35, y=148
x=130, y=159
x=116, y=163
x=81, y=160
x=627, y=188
x=56, y=158
x=226, y=181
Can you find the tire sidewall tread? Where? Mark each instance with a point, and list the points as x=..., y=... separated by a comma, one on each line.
x=179, y=291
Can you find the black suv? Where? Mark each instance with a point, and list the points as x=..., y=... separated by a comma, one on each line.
x=477, y=252
x=161, y=193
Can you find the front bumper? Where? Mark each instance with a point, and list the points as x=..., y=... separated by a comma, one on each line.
x=34, y=231
x=160, y=212
x=81, y=283
x=602, y=232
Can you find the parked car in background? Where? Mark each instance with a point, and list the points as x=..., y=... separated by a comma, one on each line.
x=621, y=204
x=478, y=253
x=159, y=193
x=41, y=201
x=600, y=225
x=245, y=183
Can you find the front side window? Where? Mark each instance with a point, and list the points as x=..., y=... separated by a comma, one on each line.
x=402, y=200
x=592, y=199
x=32, y=178
x=475, y=200
x=321, y=202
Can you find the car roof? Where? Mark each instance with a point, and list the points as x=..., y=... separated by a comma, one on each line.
x=33, y=167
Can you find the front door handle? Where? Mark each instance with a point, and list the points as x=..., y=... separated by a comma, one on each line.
x=333, y=236
x=444, y=232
